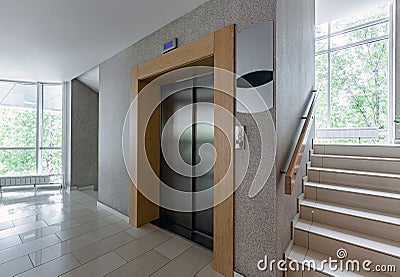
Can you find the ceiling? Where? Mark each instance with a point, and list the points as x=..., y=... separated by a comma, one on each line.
x=328, y=10
x=91, y=78
x=55, y=40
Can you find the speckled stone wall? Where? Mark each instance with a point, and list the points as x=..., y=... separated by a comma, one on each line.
x=84, y=135
x=255, y=228
x=258, y=224
x=397, y=67
x=115, y=81
x=295, y=79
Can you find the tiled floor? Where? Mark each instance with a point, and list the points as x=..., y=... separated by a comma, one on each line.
x=51, y=233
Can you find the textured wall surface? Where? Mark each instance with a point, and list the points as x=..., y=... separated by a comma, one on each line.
x=255, y=219
x=397, y=66
x=115, y=82
x=84, y=135
x=255, y=229
x=294, y=81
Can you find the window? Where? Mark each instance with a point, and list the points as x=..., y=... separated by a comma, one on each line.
x=353, y=71
x=30, y=128
x=51, y=141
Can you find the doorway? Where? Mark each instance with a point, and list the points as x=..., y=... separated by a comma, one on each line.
x=214, y=50
x=186, y=119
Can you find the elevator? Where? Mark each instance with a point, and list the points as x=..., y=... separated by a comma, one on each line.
x=187, y=117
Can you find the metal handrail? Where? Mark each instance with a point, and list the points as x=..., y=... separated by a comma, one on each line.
x=300, y=143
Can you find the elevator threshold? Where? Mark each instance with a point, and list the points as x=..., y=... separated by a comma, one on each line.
x=192, y=235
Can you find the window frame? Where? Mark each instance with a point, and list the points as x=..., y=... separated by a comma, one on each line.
x=389, y=37
x=39, y=126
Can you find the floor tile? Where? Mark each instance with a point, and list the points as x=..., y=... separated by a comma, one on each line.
x=91, y=217
x=142, y=266
x=110, y=230
x=142, y=231
x=9, y=242
x=22, y=229
x=67, y=216
x=112, y=217
x=30, y=210
x=54, y=268
x=173, y=247
x=187, y=264
x=88, y=205
x=83, y=229
x=34, y=218
x=102, y=247
x=98, y=267
x=16, y=213
x=143, y=244
x=208, y=271
x=43, y=256
x=57, y=250
x=26, y=248
x=16, y=266
x=90, y=192
x=81, y=197
x=48, y=233
x=4, y=209
x=66, y=247
x=6, y=225
x=48, y=230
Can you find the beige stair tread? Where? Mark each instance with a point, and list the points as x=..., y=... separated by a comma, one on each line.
x=384, y=246
x=352, y=211
x=357, y=172
x=300, y=254
x=377, y=193
x=356, y=157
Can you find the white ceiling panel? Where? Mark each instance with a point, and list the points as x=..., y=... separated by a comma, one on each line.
x=58, y=40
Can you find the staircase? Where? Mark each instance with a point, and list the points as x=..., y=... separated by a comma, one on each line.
x=351, y=201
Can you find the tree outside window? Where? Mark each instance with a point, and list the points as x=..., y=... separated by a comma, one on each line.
x=352, y=71
x=24, y=150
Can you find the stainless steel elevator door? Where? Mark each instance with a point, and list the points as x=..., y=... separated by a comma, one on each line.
x=203, y=221
x=190, y=101
x=176, y=97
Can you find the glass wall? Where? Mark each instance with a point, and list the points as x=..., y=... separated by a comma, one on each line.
x=51, y=141
x=353, y=72
x=30, y=128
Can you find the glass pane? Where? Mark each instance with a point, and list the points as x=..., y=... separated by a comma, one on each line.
x=321, y=30
x=52, y=116
x=360, y=35
x=321, y=45
x=321, y=76
x=359, y=88
x=17, y=162
x=51, y=161
x=17, y=114
x=379, y=12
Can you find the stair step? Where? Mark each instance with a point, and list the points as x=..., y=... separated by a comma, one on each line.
x=351, y=201
x=327, y=239
x=379, y=201
x=370, y=164
x=354, y=178
x=369, y=150
x=301, y=254
x=382, y=225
